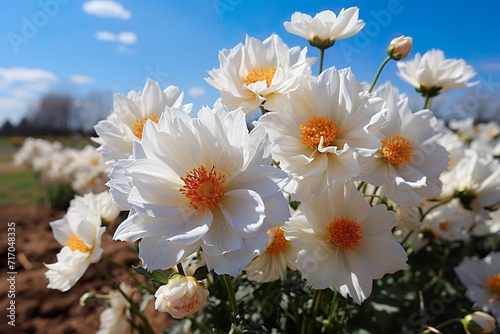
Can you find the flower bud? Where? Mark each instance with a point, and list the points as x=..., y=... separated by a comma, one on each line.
x=400, y=47
x=478, y=323
x=182, y=296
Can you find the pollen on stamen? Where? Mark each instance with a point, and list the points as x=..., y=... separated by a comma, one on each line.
x=203, y=188
x=260, y=73
x=493, y=283
x=76, y=244
x=397, y=149
x=317, y=127
x=279, y=243
x=139, y=125
x=345, y=233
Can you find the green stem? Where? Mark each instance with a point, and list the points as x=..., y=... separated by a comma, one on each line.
x=133, y=306
x=316, y=302
x=232, y=301
x=428, y=102
x=443, y=265
x=449, y=199
x=386, y=60
x=332, y=310
x=321, y=58
x=129, y=272
x=444, y=324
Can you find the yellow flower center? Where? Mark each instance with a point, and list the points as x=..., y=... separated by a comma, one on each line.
x=76, y=244
x=260, y=73
x=279, y=243
x=493, y=282
x=317, y=127
x=203, y=188
x=397, y=149
x=345, y=233
x=139, y=125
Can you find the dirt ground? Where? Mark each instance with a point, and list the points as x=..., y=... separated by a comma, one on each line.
x=42, y=310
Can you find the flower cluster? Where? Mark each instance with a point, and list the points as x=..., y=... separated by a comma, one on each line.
x=337, y=184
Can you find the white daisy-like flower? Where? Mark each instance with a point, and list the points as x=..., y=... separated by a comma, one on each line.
x=484, y=227
x=114, y=319
x=432, y=73
x=259, y=72
x=200, y=183
x=318, y=136
x=454, y=145
x=325, y=27
x=33, y=148
x=108, y=208
x=450, y=222
x=482, y=280
x=271, y=265
x=410, y=161
x=344, y=243
x=475, y=180
x=79, y=231
x=124, y=125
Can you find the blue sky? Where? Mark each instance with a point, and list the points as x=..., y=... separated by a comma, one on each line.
x=77, y=46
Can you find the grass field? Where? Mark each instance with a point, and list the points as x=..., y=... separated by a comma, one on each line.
x=19, y=185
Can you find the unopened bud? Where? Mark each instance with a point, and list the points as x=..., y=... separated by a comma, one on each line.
x=479, y=323
x=182, y=296
x=400, y=47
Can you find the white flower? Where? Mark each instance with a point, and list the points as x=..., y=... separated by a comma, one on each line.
x=489, y=226
x=109, y=210
x=114, y=319
x=259, y=72
x=318, y=136
x=325, y=27
x=117, y=133
x=202, y=182
x=475, y=180
x=410, y=161
x=181, y=296
x=33, y=148
x=432, y=73
x=79, y=231
x=271, y=265
x=482, y=280
x=88, y=171
x=450, y=222
x=344, y=243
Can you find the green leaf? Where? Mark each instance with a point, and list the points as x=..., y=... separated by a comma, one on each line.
x=201, y=273
x=152, y=275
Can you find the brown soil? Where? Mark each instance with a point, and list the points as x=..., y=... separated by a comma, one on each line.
x=42, y=310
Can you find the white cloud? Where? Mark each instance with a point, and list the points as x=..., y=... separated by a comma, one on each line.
x=80, y=79
x=106, y=8
x=126, y=37
x=27, y=75
x=106, y=36
x=196, y=91
x=23, y=93
x=20, y=86
x=123, y=49
x=11, y=103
